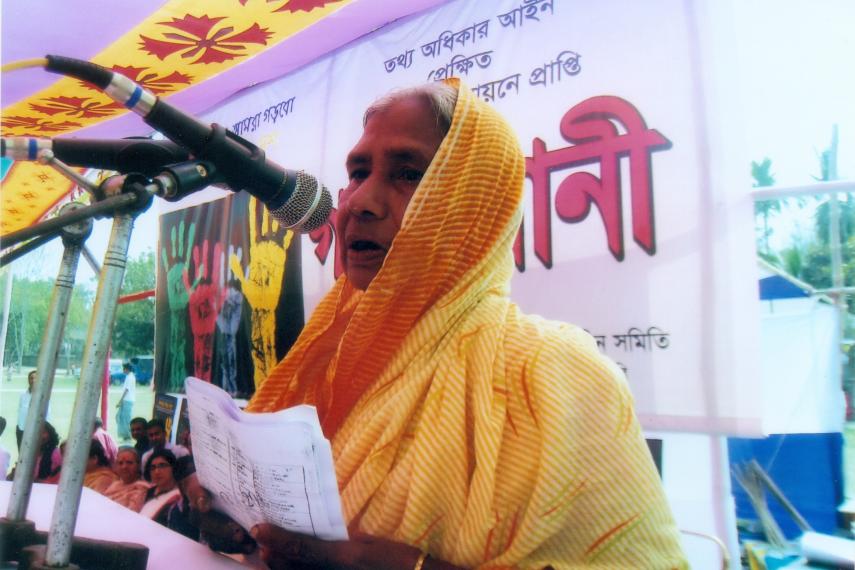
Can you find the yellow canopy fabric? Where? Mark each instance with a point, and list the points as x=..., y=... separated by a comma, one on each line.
x=486, y=437
x=184, y=42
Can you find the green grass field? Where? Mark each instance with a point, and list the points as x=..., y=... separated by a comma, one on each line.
x=62, y=405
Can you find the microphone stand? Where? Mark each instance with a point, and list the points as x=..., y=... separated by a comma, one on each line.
x=125, y=196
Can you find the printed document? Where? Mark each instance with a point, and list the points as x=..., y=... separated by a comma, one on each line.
x=265, y=468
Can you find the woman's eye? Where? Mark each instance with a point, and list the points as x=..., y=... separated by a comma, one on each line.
x=358, y=174
x=410, y=175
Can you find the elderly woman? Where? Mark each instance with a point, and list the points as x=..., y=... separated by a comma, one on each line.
x=159, y=469
x=129, y=490
x=99, y=475
x=466, y=434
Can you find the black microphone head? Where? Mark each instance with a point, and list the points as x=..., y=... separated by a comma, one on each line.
x=307, y=208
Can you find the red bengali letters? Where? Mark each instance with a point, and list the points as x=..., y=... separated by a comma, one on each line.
x=592, y=127
x=602, y=130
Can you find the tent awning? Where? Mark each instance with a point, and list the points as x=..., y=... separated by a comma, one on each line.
x=197, y=54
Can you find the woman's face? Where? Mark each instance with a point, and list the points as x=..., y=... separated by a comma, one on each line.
x=384, y=168
x=161, y=474
x=128, y=467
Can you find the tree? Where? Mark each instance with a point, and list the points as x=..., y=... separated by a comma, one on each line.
x=28, y=314
x=793, y=261
x=133, y=333
x=846, y=210
x=761, y=173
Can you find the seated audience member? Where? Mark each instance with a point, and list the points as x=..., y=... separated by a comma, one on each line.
x=130, y=489
x=465, y=433
x=108, y=444
x=138, y=433
x=5, y=456
x=178, y=516
x=157, y=440
x=164, y=490
x=184, y=438
x=99, y=474
x=49, y=458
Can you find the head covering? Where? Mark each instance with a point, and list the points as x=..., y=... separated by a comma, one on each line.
x=458, y=424
x=454, y=240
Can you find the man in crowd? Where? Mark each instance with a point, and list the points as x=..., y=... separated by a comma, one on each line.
x=139, y=435
x=465, y=433
x=157, y=439
x=126, y=403
x=24, y=407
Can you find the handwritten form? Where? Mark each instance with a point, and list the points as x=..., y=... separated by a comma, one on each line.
x=274, y=467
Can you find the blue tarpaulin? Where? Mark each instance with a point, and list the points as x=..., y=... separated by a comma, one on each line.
x=808, y=468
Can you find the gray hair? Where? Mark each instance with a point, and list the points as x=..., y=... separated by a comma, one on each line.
x=441, y=96
x=128, y=449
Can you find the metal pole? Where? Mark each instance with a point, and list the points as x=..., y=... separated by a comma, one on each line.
x=26, y=248
x=819, y=188
x=4, y=328
x=80, y=433
x=46, y=366
x=98, y=209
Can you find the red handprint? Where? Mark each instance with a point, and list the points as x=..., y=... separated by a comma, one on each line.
x=205, y=303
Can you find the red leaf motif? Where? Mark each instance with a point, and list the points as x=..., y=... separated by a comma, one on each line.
x=16, y=121
x=212, y=55
x=33, y=124
x=252, y=35
x=303, y=5
x=166, y=83
x=160, y=49
x=197, y=27
x=74, y=107
x=149, y=80
x=221, y=45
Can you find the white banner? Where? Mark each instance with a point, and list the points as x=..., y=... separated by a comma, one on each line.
x=635, y=227
x=803, y=392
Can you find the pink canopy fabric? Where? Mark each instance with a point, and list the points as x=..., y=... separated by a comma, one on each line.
x=285, y=35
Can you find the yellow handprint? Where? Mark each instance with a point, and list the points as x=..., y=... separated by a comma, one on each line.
x=262, y=283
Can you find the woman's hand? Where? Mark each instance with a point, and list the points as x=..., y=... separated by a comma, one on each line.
x=219, y=531
x=283, y=549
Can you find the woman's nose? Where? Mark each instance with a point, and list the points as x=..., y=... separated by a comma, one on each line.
x=368, y=199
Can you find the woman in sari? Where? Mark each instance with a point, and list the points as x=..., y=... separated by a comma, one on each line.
x=49, y=459
x=465, y=433
x=164, y=492
x=99, y=474
x=129, y=490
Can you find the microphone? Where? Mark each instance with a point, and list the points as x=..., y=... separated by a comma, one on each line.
x=295, y=199
x=143, y=155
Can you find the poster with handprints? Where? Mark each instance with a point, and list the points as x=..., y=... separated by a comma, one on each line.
x=229, y=300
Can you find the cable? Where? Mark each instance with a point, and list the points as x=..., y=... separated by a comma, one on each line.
x=23, y=64
x=84, y=70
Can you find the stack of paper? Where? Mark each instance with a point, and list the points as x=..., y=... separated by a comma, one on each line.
x=275, y=468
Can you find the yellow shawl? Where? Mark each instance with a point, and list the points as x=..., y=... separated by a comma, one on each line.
x=486, y=437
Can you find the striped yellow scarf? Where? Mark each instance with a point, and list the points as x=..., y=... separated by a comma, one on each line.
x=459, y=425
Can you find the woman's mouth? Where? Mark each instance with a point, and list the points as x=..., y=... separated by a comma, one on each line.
x=364, y=251
x=364, y=245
